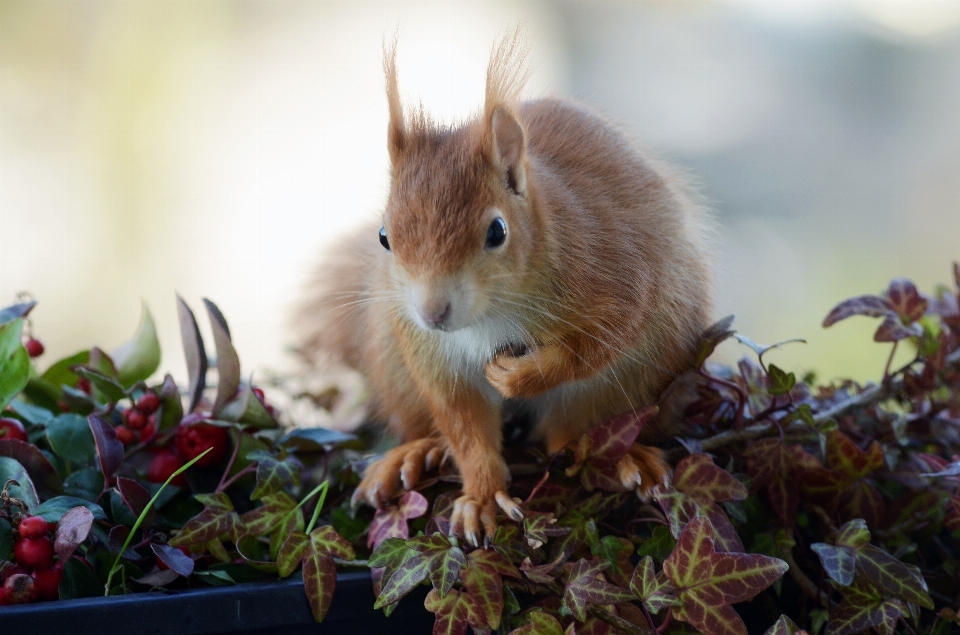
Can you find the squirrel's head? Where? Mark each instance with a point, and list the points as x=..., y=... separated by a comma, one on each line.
x=460, y=223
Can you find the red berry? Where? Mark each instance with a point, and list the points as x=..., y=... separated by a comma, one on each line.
x=259, y=393
x=135, y=418
x=150, y=429
x=46, y=582
x=34, y=347
x=165, y=463
x=148, y=403
x=34, y=553
x=193, y=440
x=12, y=429
x=125, y=435
x=33, y=527
x=84, y=384
x=19, y=589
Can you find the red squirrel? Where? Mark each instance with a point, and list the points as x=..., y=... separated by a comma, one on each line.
x=532, y=253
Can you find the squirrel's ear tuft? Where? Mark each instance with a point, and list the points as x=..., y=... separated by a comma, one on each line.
x=509, y=150
x=396, y=131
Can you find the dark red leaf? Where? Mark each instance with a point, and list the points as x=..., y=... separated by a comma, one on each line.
x=136, y=498
x=906, y=300
x=868, y=305
x=109, y=448
x=175, y=559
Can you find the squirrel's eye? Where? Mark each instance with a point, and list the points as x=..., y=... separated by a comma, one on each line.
x=383, y=238
x=496, y=233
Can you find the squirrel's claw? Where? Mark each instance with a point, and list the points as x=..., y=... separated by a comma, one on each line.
x=642, y=469
x=400, y=467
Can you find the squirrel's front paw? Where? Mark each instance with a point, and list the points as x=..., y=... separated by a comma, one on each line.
x=473, y=518
x=515, y=376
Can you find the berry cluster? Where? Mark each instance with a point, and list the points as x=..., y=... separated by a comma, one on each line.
x=140, y=421
x=34, y=577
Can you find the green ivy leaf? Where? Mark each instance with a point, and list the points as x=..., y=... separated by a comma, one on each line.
x=708, y=582
x=273, y=475
x=660, y=544
x=540, y=623
x=138, y=358
x=785, y=626
x=14, y=362
x=270, y=515
x=430, y=551
x=482, y=579
x=781, y=382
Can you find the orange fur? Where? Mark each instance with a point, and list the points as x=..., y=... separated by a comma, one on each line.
x=603, y=278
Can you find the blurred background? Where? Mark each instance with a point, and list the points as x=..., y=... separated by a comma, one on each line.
x=215, y=148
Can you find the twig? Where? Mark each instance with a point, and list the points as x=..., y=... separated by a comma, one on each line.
x=869, y=396
x=618, y=622
x=233, y=457
x=806, y=584
x=233, y=479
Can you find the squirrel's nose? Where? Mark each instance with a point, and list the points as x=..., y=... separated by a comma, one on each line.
x=437, y=318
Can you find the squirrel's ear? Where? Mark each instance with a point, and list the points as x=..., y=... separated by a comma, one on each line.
x=396, y=132
x=509, y=149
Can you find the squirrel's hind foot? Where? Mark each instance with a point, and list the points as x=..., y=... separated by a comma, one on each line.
x=642, y=469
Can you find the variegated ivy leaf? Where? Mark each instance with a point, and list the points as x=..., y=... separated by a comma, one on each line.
x=775, y=469
x=655, y=591
x=274, y=475
x=538, y=528
x=585, y=585
x=454, y=612
x=264, y=519
x=697, y=488
x=289, y=523
x=708, y=582
x=481, y=578
x=541, y=574
x=391, y=521
x=785, y=626
x=319, y=581
x=862, y=608
x=540, y=624
x=854, y=558
x=326, y=540
x=429, y=554
x=291, y=552
x=216, y=519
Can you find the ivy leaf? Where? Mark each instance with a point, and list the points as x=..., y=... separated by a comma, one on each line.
x=660, y=544
x=139, y=358
x=264, y=519
x=785, y=626
x=14, y=362
x=862, y=608
x=429, y=550
x=843, y=486
x=712, y=337
x=775, y=469
x=538, y=527
x=541, y=623
x=482, y=579
x=326, y=540
x=585, y=585
x=708, y=581
x=319, y=581
x=274, y=475
x=854, y=558
x=391, y=521
x=454, y=612
x=291, y=552
x=697, y=488
x=867, y=305
x=656, y=592
x=781, y=382
x=906, y=300
x=218, y=517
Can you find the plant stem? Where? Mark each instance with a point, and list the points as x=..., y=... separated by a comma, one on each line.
x=233, y=457
x=617, y=622
x=126, y=543
x=886, y=369
x=233, y=479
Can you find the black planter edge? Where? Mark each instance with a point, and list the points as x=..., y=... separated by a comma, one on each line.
x=261, y=608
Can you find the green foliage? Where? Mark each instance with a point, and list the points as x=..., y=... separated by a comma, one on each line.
x=853, y=486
